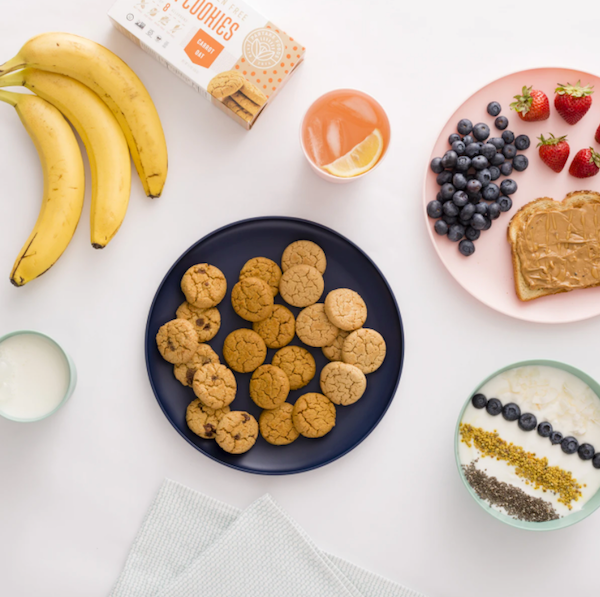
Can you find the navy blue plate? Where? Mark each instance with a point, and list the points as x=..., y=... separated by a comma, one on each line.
x=347, y=267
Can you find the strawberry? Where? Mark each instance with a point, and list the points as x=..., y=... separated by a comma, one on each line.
x=532, y=105
x=598, y=135
x=554, y=152
x=585, y=163
x=573, y=101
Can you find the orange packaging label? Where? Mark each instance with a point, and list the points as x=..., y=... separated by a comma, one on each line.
x=203, y=49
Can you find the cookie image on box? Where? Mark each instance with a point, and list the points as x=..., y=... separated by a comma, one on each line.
x=238, y=94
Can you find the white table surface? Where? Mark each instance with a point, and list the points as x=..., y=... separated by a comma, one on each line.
x=74, y=488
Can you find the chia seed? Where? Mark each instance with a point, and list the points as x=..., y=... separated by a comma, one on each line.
x=515, y=501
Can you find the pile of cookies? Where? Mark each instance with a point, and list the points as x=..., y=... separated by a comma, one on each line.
x=238, y=94
x=335, y=326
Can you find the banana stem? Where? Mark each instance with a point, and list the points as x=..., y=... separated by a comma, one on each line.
x=12, y=80
x=10, y=65
x=9, y=97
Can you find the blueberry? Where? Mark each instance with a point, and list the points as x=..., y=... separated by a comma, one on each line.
x=441, y=227
x=448, y=191
x=508, y=136
x=479, y=401
x=556, y=437
x=460, y=198
x=501, y=122
x=463, y=163
x=449, y=159
x=569, y=445
x=475, y=198
x=472, y=234
x=509, y=152
x=596, y=460
x=450, y=209
x=450, y=219
x=482, y=208
x=498, y=159
x=473, y=186
x=480, y=162
x=506, y=168
x=491, y=192
x=459, y=181
x=487, y=223
x=488, y=151
x=436, y=165
x=493, y=407
x=481, y=131
x=494, y=172
x=466, y=247
x=522, y=142
x=586, y=451
x=454, y=137
x=467, y=212
x=456, y=232
x=504, y=203
x=520, y=162
x=468, y=139
x=471, y=150
x=527, y=422
x=465, y=126
x=444, y=177
x=508, y=187
x=494, y=108
x=458, y=147
x=493, y=211
x=544, y=429
x=434, y=209
x=497, y=142
x=484, y=177
x=511, y=411
x=478, y=222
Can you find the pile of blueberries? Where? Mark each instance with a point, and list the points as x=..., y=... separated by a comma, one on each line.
x=469, y=199
x=528, y=422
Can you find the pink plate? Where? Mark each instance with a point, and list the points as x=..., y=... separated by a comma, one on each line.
x=488, y=273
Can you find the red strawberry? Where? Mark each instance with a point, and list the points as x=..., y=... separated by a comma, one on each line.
x=598, y=135
x=532, y=105
x=554, y=152
x=585, y=163
x=573, y=101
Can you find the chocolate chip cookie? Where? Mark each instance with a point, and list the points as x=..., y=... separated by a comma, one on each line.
x=214, y=385
x=177, y=341
x=203, y=420
x=203, y=356
x=237, y=432
x=313, y=415
x=207, y=322
x=204, y=285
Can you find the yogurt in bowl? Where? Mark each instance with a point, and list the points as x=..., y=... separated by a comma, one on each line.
x=528, y=445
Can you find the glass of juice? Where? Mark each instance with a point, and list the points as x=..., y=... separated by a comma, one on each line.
x=344, y=135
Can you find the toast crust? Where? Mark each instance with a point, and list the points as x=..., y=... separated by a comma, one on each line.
x=517, y=225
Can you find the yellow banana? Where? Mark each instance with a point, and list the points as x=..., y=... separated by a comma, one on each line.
x=116, y=84
x=63, y=185
x=103, y=139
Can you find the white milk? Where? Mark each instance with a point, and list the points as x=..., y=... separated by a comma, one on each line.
x=34, y=376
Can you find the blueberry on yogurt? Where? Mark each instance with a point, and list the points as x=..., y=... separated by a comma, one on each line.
x=479, y=401
x=494, y=407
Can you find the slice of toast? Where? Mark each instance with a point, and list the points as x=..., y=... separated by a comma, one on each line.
x=518, y=224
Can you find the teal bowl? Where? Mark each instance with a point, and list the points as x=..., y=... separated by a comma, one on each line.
x=590, y=506
x=72, y=377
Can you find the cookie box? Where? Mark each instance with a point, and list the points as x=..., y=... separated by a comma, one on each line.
x=233, y=56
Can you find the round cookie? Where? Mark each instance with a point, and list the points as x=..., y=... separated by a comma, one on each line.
x=203, y=356
x=278, y=329
x=346, y=309
x=314, y=328
x=225, y=84
x=237, y=432
x=304, y=252
x=297, y=363
x=252, y=299
x=334, y=351
x=214, y=385
x=277, y=425
x=244, y=350
x=177, y=341
x=342, y=383
x=313, y=415
x=269, y=386
x=301, y=286
x=364, y=349
x=207, y=322
x=203, y=420
x=265, y=269
x=204, y=285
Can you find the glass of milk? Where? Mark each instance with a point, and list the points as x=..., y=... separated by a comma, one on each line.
x=36, y=376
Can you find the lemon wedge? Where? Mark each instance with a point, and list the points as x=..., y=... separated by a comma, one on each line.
x=359, y=159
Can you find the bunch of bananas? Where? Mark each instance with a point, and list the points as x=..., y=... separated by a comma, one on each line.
x=113, y=114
